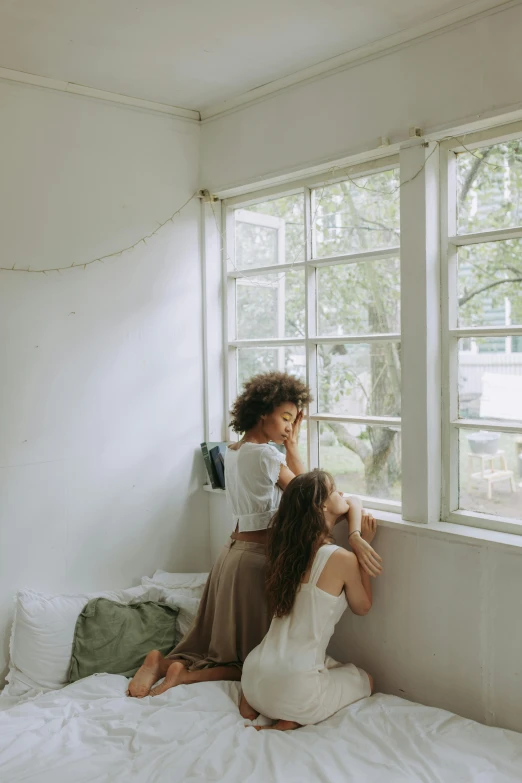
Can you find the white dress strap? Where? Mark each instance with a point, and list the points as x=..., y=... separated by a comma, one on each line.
x=321, y=558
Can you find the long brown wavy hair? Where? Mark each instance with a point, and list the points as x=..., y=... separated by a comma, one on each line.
x=296, y=531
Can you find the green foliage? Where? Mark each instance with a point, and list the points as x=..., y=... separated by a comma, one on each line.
x=489, y=198
x=357, y=215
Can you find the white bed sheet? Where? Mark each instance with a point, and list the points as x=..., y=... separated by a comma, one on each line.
x=90, y=731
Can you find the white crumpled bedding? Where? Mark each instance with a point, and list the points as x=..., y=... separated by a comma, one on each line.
x=90, y=731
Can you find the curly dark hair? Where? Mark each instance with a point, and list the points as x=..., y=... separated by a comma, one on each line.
x=262, y=394
x=296, y=531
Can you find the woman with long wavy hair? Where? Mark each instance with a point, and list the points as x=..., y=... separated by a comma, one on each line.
x=310, y=583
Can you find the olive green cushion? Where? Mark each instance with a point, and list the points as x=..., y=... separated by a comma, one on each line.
x=115, y=638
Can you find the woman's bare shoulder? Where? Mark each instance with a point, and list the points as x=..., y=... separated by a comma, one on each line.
x=341, y=560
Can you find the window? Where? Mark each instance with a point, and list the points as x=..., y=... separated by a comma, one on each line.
x=314, y=289
x=483, y=329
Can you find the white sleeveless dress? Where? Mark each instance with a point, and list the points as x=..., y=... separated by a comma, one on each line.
x=289, y=676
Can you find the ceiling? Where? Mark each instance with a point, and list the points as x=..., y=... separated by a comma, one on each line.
x=194, y=53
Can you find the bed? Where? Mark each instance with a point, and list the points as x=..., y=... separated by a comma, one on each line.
x=91, y=731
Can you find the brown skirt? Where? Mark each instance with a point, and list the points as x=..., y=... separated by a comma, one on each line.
x=233, y=615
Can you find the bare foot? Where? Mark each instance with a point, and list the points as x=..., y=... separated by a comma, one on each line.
x=281, y=725
x=148, y=673
x=245, y=710
x=176, y=675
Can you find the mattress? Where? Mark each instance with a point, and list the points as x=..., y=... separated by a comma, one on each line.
x=90, y=731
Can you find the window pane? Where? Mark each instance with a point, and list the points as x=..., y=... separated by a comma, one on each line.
x=252, y=361
x=360, y=379
x=359, y=298
x=490, y=473
x=357, y=215
x=271, y=305
x=490, y=284
x=490, y=379
x=303, y=443
x=362, y=460
x=489, y=187
x=271, y=232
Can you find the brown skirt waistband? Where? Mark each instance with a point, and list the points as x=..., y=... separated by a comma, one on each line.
x=247, y=546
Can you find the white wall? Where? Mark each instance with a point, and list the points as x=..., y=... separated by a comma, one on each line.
x=472, y=71
x=446, y=627
x=101, y=409
x=446, y=624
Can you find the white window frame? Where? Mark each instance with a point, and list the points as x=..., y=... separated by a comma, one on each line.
x=429, y=425
x=450, y=242
x=312, y=339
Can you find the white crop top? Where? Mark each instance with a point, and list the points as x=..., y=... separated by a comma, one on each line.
x=251, y=473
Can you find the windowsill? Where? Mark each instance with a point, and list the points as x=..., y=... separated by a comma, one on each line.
x=440, y=530
x=208, y=488
x=450, y=531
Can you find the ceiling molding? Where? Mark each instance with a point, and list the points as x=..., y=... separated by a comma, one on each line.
x=463, y=15
x=466, y=14
x=89, y=92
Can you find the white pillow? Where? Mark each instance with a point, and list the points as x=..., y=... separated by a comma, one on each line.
x=191, y=585
x=43, y=628
x=183, y=590
x=42, y=636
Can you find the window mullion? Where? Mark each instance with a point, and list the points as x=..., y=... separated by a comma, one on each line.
x=229, y=317
x=214, y=307
x=311, y=330
x=420, y=327
x=450, y=499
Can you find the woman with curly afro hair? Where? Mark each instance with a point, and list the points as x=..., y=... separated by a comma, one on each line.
x=233, y=615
